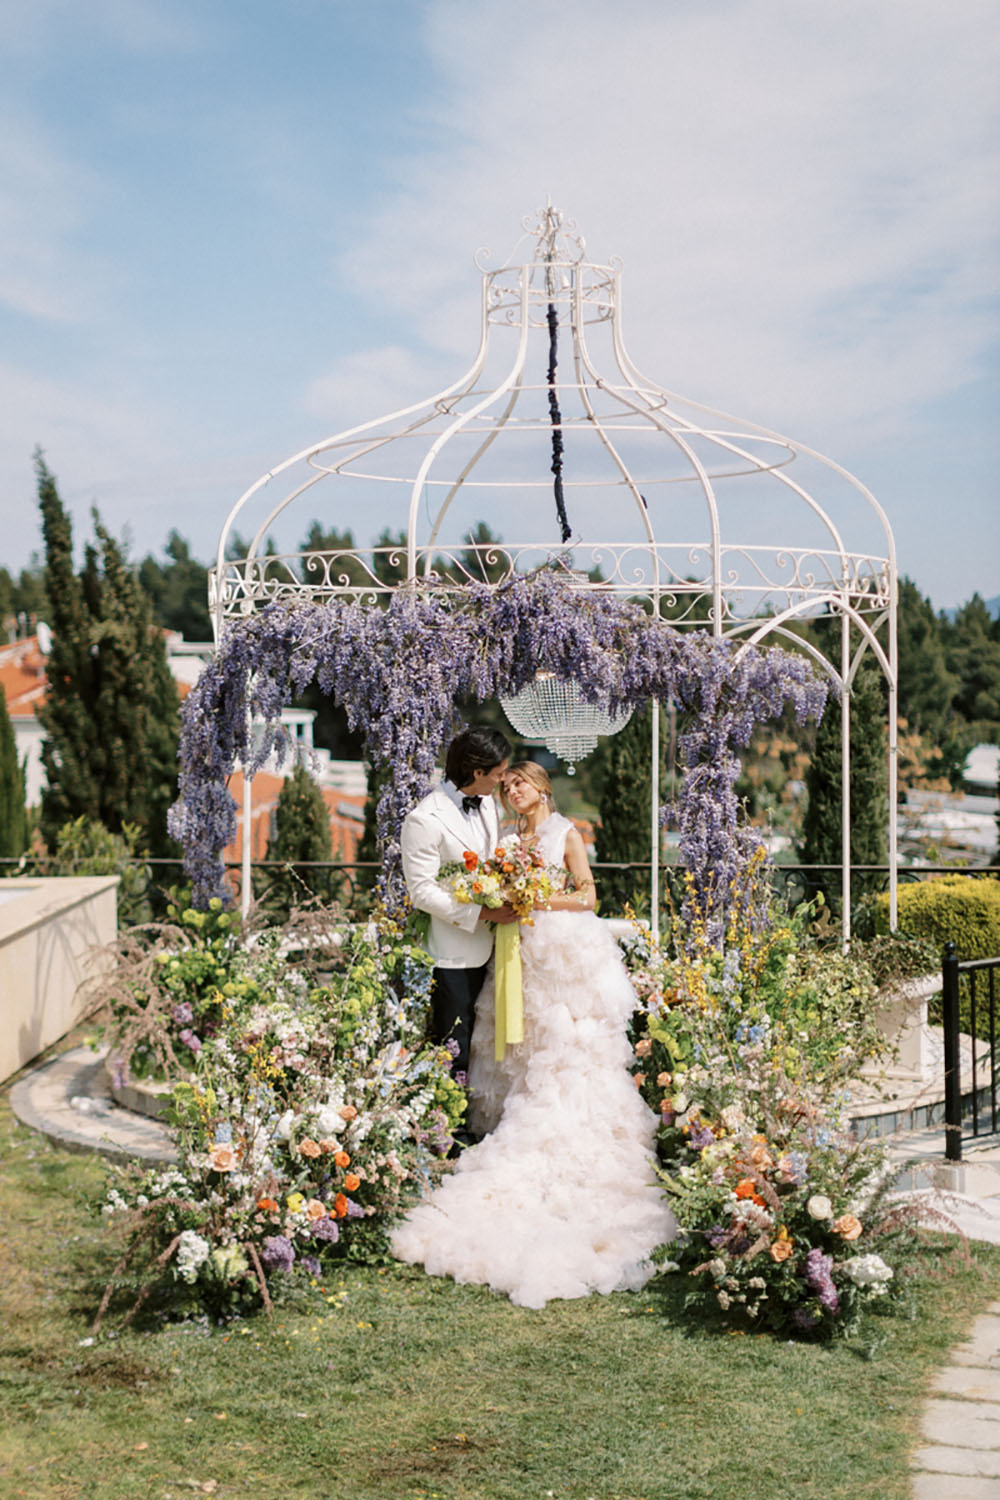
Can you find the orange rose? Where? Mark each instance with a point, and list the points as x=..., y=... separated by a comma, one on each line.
x=340, y=1205
x=222, y=1158
x=347, y=1112
x=471, y=860
x=267, y=1205
x=477, y=887
x=847, y=1226
x=341, y=1159
x=352, y=1181
x=309, y=1148
x=315, y=1209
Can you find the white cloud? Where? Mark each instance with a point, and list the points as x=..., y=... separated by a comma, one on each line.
x=805, y=198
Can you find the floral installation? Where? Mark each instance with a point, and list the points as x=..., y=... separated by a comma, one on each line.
x=744, y=1054
x=312, y=1114
x=398, y=671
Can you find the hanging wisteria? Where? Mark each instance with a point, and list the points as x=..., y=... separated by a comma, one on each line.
x=398, y=671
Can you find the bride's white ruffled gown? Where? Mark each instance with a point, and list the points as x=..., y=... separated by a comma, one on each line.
x=560, y=1198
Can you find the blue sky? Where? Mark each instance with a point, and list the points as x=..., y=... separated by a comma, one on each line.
x=231, y=229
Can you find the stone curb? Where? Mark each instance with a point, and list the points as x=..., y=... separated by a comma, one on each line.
x=43, y=1100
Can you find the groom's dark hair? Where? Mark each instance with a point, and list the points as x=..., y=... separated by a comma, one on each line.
x=474, y=750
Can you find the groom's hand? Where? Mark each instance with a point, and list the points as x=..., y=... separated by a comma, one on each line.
x=501, y=914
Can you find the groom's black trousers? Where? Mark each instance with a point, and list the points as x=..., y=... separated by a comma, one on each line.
x=453, y=1008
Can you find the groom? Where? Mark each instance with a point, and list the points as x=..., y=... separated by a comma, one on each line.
x=457, y=815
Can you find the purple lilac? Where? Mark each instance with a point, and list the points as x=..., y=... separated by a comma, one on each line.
x=189, y=1039
x=277, y=1253
x=184, y=1013
x=327, y=1230
x=819, y=1276
x=398, y=671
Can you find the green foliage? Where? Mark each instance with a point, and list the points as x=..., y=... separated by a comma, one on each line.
x=927, y=686
x=13, y=813
x=868, y=786
x=973, y=654
x=111, y=712
x=86, y=847
x=623, y=833
x=178, y=590
x=963, y=909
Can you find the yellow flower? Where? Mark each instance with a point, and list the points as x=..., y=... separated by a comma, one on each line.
x=295, y=1202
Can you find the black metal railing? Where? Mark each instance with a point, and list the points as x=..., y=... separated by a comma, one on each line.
x=982, y=1097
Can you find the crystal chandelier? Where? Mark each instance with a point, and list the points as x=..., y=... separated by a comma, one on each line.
x=554, y=714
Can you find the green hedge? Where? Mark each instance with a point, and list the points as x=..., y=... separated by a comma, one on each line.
x=964, y=909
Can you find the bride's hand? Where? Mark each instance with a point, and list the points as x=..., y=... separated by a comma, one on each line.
x=501, y=914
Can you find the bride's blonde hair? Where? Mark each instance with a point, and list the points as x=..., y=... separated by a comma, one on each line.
x=530, y=771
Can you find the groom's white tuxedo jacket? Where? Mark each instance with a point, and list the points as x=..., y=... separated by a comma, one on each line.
x=435, y=832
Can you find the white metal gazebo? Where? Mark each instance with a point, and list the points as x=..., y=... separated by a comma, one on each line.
x=715, y=522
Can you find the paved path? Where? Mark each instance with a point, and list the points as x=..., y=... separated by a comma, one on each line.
x=960, y=1455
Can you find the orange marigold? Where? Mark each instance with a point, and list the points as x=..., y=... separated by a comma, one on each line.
x=471, y=860
x=352, y=1181
x=340, y=1205
x=341, y=1159
x=267, y=1205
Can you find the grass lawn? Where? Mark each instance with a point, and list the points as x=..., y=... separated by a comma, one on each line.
x=394, y=1386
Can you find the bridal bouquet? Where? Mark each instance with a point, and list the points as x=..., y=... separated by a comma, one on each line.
x=517, y=876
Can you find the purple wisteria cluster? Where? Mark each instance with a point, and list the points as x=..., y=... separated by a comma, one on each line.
x=397, y=672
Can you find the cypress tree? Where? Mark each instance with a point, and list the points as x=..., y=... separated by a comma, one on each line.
x=302, y=833
x=110, y=714
x=869, y=785
x=13, y=813
x=623, y=835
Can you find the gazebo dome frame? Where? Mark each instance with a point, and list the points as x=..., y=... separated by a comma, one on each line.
x=598, y=432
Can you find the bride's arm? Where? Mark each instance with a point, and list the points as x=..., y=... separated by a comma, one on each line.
x=584, y=897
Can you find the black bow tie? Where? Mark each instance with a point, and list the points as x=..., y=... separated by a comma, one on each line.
x=471, y=804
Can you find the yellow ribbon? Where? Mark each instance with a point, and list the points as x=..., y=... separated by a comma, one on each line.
x=508, y=1012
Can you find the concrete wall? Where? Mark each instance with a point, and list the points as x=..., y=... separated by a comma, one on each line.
x=50, y=932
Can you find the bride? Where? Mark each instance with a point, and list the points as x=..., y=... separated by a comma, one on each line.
x=559, y=1198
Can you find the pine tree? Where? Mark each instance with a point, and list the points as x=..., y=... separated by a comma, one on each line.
x=13, y=814
x=926, y=686
x=301, y=833
x=821, y=843
x=110, y=714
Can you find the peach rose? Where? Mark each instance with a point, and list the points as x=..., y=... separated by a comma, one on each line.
x=222, y=1158
x=643, y=1046
x=781, y=1250
x=315, y=1209
x=342, y=1159
x=761, y=1157
x=348, y=1112
x=639, y=1080
x=847, y=1226
x=327, y=1146
x=352, y=1181
x=309, y=1148
x=663, y=1080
